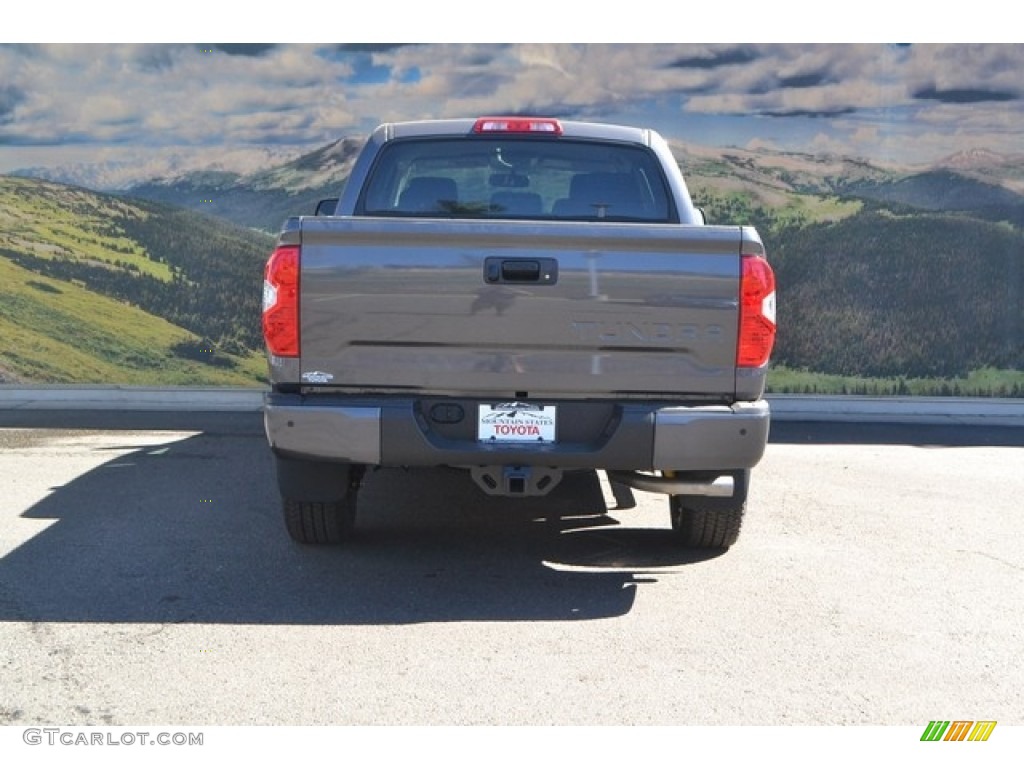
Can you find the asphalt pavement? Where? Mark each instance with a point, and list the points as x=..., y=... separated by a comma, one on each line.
x=146, y=577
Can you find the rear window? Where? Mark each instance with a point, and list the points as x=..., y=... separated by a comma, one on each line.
x=517, y=178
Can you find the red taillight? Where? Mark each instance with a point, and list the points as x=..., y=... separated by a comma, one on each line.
x=518, y=125
x=757, y=312
x=281, y=302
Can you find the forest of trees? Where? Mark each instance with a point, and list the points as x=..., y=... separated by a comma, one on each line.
x=886, y=295
x=890, y=293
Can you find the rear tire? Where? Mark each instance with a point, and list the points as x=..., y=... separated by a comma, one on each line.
x=320, y=522
x=319, y=499
x=706, y=522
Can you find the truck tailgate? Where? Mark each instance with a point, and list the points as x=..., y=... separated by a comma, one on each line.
x=553, y=309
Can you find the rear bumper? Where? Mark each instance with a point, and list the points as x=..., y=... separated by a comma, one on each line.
x=711, y=437
x=628, y=436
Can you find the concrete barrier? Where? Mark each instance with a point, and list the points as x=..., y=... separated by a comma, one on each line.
x=977, y=411
x=117, y=398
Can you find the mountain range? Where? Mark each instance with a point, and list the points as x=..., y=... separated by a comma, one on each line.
x=882, y=271
x=973, y=180
x=261, y=199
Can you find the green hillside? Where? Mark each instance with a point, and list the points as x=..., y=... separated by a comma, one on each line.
x=884, y=299
x=101, y=289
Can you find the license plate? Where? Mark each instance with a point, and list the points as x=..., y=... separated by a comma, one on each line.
x=516, y=423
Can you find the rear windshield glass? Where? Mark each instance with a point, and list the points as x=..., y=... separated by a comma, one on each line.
x=510, y=178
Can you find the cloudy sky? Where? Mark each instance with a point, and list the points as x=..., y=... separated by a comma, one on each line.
x=154, y=104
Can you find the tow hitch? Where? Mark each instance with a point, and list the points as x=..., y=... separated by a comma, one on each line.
x=516, y=480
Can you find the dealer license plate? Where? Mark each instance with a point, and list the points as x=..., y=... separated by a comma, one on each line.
x=516, y=423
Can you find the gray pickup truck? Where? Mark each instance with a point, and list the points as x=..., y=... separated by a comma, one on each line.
x=518, y=297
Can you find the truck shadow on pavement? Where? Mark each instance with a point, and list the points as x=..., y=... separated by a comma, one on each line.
x=191, y=531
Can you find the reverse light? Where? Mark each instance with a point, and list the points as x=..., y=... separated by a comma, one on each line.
x=281, y=302
x=518, y=125
x=757, y=312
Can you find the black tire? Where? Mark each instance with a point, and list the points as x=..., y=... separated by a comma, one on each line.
x=320, y=522
x=319, y=499
x=705, y=522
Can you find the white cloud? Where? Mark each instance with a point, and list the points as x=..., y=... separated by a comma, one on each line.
x=158, y=97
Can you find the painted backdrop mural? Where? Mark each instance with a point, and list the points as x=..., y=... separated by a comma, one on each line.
x=140, y=187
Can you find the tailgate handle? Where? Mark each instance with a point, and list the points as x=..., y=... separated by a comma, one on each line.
x=520, y=270
x=501, y=270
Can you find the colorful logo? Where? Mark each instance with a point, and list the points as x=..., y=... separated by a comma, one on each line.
x=958, y=730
